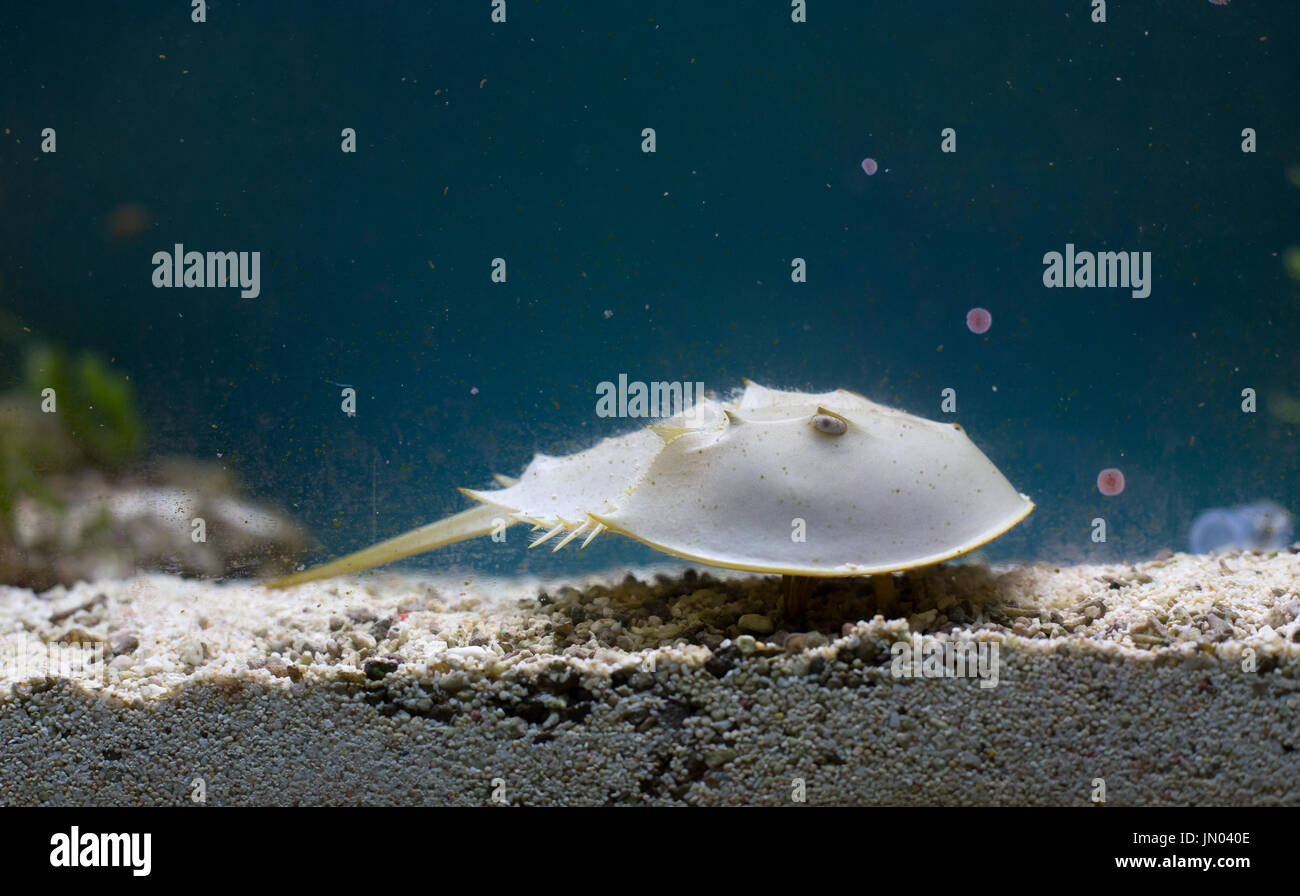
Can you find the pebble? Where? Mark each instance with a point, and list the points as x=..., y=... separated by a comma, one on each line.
x=921, y=621
x=190, y=652
x=756, y=624
x=376, y=669
x=719, y=758
x=123, y=642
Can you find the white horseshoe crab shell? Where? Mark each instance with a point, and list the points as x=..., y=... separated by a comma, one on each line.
x=802, y=484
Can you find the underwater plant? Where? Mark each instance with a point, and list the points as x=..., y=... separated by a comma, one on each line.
x=95, y=404
x=91, y=422
x=78, y=503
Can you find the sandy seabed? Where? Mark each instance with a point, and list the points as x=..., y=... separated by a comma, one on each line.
x=1172, y=682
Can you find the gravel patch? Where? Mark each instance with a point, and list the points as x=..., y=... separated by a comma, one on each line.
x=1175, y=681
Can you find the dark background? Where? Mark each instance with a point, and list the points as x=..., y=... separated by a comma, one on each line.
x=1117, y=136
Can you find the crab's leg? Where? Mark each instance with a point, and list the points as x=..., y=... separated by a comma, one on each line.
x=476, y=521
x=794, y=600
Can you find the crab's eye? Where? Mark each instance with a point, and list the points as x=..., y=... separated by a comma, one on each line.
x=830, y=424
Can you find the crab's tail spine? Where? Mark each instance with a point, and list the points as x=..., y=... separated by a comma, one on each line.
x=476, y=521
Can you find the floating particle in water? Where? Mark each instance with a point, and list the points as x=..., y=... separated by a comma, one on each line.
x=473, y=390
x=1110, y=482
x=608, y=313
x=1283, y=407
x=1220, y=2
x=128, y=220
x=978, y=320
x=870, y=166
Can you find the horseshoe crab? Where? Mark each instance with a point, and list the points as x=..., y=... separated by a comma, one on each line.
x=801, y=484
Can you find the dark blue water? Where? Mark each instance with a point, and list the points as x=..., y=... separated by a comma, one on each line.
x=376, y=265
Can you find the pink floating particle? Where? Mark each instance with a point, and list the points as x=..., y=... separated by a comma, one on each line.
x=870, y=166
x=978, y=320
x=473, y=390
x=608, y=314
x=1110, y=482
x=1219, y=2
